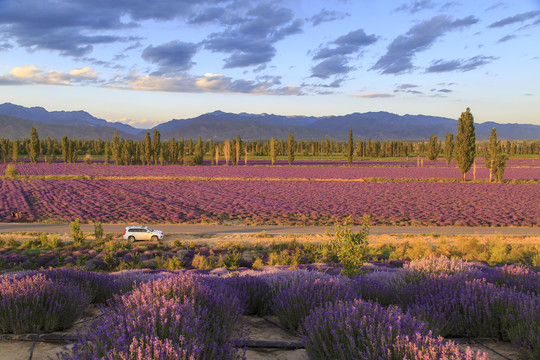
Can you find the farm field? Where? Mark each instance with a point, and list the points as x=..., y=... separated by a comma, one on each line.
x=392, y=194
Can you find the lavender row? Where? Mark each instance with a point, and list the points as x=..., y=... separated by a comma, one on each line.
x=271, y=202
x=380, y=170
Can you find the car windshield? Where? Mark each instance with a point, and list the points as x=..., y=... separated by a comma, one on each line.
x=148, y=229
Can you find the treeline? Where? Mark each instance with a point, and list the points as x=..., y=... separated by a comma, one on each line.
x=151, y=150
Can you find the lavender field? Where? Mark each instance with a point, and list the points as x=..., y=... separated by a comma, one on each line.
x=271, y=202
x=517, y=169
x=384, y=313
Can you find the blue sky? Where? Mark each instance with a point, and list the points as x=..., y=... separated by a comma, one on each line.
x=146, y=62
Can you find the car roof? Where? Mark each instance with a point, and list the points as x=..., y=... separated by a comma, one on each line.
x=137, y=227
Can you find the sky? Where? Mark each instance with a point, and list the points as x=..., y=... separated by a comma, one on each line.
x=146, y=62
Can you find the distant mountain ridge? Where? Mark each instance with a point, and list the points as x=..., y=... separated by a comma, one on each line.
x=67, y=118
x=219, y=125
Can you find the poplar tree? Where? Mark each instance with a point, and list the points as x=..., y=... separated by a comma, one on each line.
x=199, y=152
x=465, y=142
x=147, y=148
x=115, y=148
x=226, y=151
x=273, y=150
x=449, y=148
x=173, y=151
x=495, y=159
x=15, y=152
x=350, y=148
x=291, y=148
x=432, y=148
x=33, y=147
x=156, y=145
x=107, y=153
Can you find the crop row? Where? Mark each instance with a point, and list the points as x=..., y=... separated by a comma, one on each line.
x=381, y=170
x=271, y=202
x=382, y=314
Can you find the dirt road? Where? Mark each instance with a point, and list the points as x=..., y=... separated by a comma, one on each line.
x=276, y=230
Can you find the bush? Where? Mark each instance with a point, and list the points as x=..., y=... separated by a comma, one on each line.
x=253, y=293
x=11, y=171
x=76, y=232
x=181, y=311
x=293, y=304
x=362, y=330
x=351, y=247
x=37, y=303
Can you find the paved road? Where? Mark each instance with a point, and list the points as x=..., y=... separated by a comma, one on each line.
x=274, y=229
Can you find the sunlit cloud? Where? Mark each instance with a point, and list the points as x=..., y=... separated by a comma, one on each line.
x=31, y=74
x=374, y=95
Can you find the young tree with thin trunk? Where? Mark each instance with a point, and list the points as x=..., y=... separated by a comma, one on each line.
x=465, y=142
x=291, y=148
x=350, y=148
x=449, y=148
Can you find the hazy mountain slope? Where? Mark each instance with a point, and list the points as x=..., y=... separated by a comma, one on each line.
x=16, y=128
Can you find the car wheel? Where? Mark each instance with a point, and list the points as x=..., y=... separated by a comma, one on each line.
x=131, y=238
x=154, y=238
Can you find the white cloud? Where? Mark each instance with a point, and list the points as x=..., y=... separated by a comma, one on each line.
x=31, y=74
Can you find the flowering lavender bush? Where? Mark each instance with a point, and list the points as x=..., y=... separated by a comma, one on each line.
x=370, y=288
x=182, y=314
x=36, y=303
x=362, y=330
x=293, y=304
x=518, y=277
x=253, y=293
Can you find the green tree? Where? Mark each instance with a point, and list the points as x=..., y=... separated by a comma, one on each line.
x=291, y=148
x=15, y=151
x=273, y=150
x=495, y=159
x=33, y=147
x=115, y=148
x=449, y=148
x=350, y=148
x=465, y=142
x=351, y=248
x=199, y=152
x=107, y=153
x=147, y=148
x=65, y=149
x=156, y=145
x=76, y=232
x=432, y=148
x=173, y=151
x=98, y=231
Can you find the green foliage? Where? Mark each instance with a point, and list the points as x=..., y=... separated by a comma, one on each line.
x=232, y=259
x=351, y=247
x=465, y=147
x=273, y=150
x=98, y=231
x=449, y=148
x=202, y=262
x=199, y=152
x=291, y=148
x=257, y=264
x=33, y=146
x=350, y=148
x=11, y=171
x=433, y=148
x=76, y=232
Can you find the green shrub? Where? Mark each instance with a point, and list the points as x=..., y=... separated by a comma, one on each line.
x=202, y=262
x=11, y=171
x=76, y=232
x=351, y=247
x=98, y=231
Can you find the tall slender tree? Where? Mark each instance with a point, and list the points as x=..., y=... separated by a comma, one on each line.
x=115, y=148
x=273, y=150
x=156, y=145
x=199, y=152
x=33, y=146
x=465, y=142
x=449, y=148
x=147, y=148
x=227, y=151
x=432, y=148
x=15, y=151
x=291, y=148
x=495, y=158
x=350, y=148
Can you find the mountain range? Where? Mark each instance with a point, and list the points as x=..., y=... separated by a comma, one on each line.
x=16, y=121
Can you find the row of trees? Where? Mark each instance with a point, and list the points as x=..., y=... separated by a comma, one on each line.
x=151, y=150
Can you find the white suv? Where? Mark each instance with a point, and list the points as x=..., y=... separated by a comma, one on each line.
x=133, y=233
